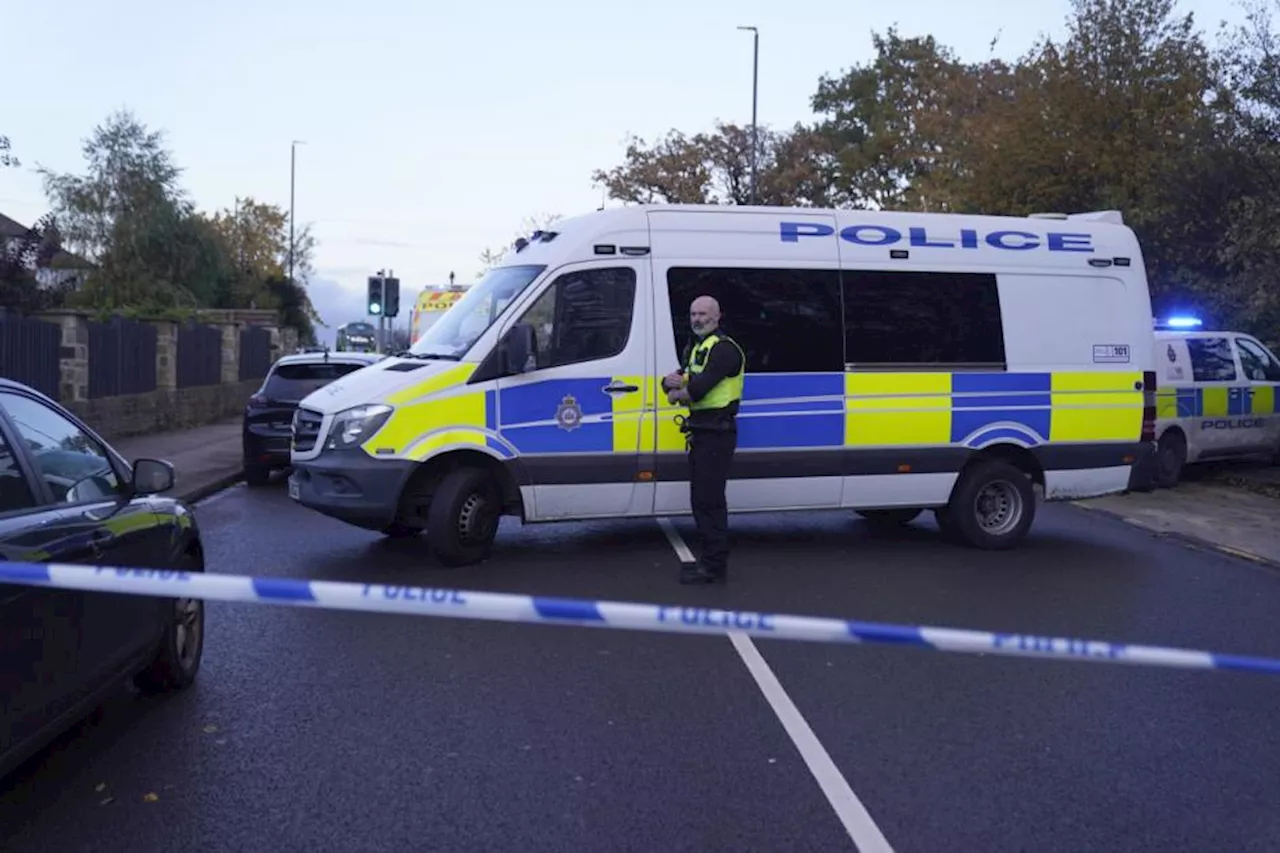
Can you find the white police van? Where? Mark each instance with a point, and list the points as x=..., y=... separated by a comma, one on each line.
x=896, y=362
x=1216, y=399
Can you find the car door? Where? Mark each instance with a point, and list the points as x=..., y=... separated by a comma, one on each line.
x=90, y=519
x=1220, y=396
x=574, y=415
x=1262, y=371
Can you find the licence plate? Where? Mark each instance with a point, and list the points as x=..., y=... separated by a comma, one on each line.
x=293, y=489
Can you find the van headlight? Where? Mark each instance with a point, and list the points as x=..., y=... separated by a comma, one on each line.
x=353, y=427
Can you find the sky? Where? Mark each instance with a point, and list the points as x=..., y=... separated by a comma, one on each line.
x=432, y=130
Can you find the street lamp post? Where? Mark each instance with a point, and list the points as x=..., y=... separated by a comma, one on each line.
x=293, y=168
x=755, y=81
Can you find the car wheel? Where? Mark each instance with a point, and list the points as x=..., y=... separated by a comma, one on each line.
x=463, y=519
x=256, y=475
x=1171, y=456
x=992, y=506
x=181, y=648
x=890, y=517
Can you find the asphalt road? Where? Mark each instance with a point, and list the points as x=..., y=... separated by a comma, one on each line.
x=317, y=730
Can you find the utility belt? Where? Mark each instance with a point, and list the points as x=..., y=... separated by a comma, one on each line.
x=718, y=423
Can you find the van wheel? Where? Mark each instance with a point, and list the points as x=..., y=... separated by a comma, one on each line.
x=889, y=517
x=177, y=661
x=992, y=506
x=256, y=475
x=1171, y=456
x=463, y=519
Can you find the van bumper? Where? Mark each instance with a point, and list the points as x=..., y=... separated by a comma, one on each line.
x=1142, y=476
x=350, y=486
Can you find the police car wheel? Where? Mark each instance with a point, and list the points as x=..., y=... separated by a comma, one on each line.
x=992, y=505
x=1171, y=456
x=889, y=517
x=182, y=647
x=463, y=519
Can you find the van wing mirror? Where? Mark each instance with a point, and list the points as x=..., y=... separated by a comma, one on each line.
x=517, y=345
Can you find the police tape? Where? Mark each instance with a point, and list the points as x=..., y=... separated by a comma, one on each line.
x=663, y=618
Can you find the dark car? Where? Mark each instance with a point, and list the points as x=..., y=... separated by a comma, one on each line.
x=67, y=497
x=268, y=417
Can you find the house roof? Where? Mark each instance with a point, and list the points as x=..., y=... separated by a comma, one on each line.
x=62, y=260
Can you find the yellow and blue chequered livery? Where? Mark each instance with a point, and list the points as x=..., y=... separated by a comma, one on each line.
x=779, y=412
x=1216, y=402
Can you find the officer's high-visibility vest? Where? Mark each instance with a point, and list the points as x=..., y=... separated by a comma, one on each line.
x=727, y=390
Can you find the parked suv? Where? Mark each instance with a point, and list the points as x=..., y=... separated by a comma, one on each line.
x=268, y=417
x=67, y=497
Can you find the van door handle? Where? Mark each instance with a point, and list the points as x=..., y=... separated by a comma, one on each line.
x=617, y=388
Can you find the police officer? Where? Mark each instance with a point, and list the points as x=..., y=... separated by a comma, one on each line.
x=710, y=384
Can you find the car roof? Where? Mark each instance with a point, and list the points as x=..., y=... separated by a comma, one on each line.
x=322, y=356
x=14, y=385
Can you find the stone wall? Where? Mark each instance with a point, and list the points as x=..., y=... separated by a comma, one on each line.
x=168, y=407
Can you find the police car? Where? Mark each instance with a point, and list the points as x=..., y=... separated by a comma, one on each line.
x=896, y=363
x=1216, y=398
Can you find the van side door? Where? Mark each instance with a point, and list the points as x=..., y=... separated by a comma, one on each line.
x=573, y=414
x=1220, y=396
x=1262, y=371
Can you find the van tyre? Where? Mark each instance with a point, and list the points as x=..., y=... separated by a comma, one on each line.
x=177, y=661
x=992, y=506
x=256, y=475
x=895, y=517
x=1171, y=456
x=463, y=519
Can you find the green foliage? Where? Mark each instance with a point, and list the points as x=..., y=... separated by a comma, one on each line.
x=1131, y=110
x=150, y=253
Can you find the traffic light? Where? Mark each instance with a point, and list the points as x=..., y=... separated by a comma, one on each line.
x=391, y=298
x=376, y=302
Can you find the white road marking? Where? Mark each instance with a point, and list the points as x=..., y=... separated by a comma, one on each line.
x=848, y=808
x=673, y=536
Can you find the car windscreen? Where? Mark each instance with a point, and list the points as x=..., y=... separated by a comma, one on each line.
x=292, y=382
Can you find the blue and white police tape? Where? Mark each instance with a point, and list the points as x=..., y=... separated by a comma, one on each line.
x=501, y=607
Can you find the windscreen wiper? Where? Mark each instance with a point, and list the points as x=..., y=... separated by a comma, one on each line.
x=426, y=356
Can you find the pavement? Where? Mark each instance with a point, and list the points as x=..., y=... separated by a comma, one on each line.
x=206, y=459
x=319, y=730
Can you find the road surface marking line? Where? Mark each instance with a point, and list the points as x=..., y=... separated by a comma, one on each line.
x=677, y=542
x=1241, y=553
x=849, y=809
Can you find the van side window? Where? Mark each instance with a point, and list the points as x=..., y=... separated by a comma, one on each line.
x=1259, y=365
x=913, y=319
x=785, y=320
x=15, y=492
x=583, y=316
x=74, y=465
x=1211, y=360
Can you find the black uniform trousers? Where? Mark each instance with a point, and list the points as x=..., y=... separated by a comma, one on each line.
x=710, y=457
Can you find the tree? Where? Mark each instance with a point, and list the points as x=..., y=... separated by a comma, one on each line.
x=6, y=155
x=20, y=291
x=491, y=257
x=715, y=168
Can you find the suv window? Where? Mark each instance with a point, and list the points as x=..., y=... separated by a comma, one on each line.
x=15, y=493
x=295, y=381
x=1259, y=364
x=583, y=316
x=75, y=466
x=1211, y=360
x=905, y=319
x=785, y=320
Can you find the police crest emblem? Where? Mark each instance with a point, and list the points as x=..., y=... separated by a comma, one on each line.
x=569, y=414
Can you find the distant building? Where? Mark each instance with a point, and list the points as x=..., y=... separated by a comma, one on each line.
x=62, y=269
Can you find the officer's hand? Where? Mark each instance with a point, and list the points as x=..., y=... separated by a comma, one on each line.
x=672, y=381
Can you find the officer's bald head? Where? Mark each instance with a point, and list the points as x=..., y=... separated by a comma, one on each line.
x=704, y=315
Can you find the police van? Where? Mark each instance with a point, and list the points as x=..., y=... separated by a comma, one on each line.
x=1216, y=400
x=896, y=363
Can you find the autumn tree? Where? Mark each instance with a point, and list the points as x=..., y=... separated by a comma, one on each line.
x=715, y=168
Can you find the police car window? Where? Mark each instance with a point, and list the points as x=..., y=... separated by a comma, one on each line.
x=1211, y=360
x=295, y=381
x=15, y=492
x=1259, y=365
x=785, y=320
x=74, y=465
x=922, y=318
x=583, y=316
